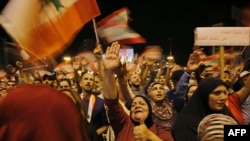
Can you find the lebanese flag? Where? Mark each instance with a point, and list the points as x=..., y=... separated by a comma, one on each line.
x=115, y=27
x=46, y=27
x=64, y=69
x=213, y=59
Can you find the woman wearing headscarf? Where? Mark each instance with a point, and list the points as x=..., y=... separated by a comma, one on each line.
x=40, y=113
x=163, y=112
x=210, y=97
x=139, y=124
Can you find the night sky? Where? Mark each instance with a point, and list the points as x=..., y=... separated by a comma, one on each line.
x=164, y=23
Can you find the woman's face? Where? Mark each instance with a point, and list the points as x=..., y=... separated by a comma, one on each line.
x=139, y=110
x=157, y=93
x=217, y=98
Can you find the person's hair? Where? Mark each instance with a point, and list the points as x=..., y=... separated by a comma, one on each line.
x=79, y=102
x=25, y=102
x=149, y=120
x=79, y=90
x=83, y=114
x=47, y=76
x=212, y=126
x=87, y=72
x=237, y=85
x=65, y=79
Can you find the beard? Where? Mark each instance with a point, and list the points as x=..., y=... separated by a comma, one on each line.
x=88, y=90
x=97, y=91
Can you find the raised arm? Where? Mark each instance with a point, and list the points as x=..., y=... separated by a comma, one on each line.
x=245, y=90
x=110, y=63
x=126, y=94
x=98, y=54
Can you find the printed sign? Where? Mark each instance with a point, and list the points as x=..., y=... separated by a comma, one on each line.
x=222, y=36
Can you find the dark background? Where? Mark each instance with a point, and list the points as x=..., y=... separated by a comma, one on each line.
x=169, y=24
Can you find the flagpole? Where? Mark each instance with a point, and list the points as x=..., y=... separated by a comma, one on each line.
x=95, y=29
x=221, y=62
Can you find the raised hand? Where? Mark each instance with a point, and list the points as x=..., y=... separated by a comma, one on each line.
x=98, y=51
x=193, y=62
x=112, y=58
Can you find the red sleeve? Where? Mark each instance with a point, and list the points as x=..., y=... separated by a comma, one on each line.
x=234, y=106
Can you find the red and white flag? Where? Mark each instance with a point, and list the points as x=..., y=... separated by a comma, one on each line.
x=46, y=27
x=213, y=59
x=64, y=70
x=115, y=27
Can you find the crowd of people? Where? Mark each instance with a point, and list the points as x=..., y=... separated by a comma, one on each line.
x=169, y=102
x=164, y=104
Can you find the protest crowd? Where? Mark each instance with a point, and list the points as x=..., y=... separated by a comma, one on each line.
x=96, y=97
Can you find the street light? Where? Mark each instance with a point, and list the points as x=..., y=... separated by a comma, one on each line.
x=170, y=57
x=67, y=59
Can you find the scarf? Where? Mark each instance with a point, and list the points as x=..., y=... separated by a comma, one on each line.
x=163, y=113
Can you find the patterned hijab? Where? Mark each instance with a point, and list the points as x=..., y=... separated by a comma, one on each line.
x=163, y=112
x=40, y=113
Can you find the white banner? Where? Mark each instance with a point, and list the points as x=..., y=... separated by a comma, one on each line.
x=222, y=36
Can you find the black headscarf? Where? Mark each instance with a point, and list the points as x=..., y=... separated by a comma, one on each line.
x=185, y=127
x=149, y=120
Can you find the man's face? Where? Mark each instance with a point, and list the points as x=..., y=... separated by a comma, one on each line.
x=87, y=82
x=47, y=81
x=64, y=85
x=227, y=78
x=162, y=80
x=10, y=85
x=135, y=79
x=2, y=84
x=98, y=84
